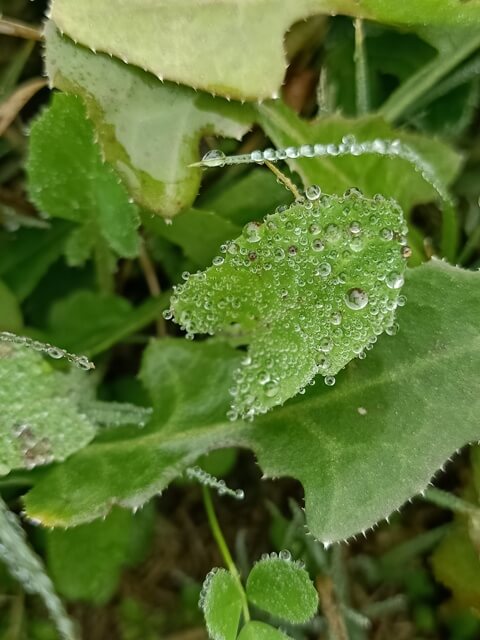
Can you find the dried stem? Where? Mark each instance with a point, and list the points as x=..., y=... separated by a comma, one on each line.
x=284, y=179
x=19, y=29
x=330, y=608
x=153, y=284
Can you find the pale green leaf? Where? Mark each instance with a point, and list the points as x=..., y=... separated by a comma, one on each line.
x=39, y=422
x=148, y=130
x=85, y=562
x=68, y=179
x=10, y=312
x=283, y=589
x=27, y=568
x=309, y=289
x=221, y=603
x=234, y=48
x=255, y=630
x=375, y=439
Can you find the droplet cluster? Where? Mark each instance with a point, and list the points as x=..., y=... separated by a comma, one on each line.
x=310, y=288
x=348, y=146
x=82, y=362
x=199, y=474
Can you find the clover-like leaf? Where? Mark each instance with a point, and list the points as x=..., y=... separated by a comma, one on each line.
x=310, y=288
x=221, y=603
x=39, y=423
x=255, y=630
x=282, y=588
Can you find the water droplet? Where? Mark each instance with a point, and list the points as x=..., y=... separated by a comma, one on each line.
x=263, y=377
x=317, y=245
x=285, y=555
x=257, y=156
x=232, y=248
x=292, y=152
x=251, y=231
x=336, y=318
x=355, y=228
x=406, y=252
x=356, y=299
x=329, y=381
x=386, y=234
x=214, y=158
x=271, y=389
x=324, y=269
x=269, y=154
x=218, y=260
x=292, y=250
x=394, y=280
x=313, y=192
x=326, y=345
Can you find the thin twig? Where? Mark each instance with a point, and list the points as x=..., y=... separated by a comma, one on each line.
x=284, y=179
x=9, y=27
x=11, y=107
x=153, y=284
x=330, y=608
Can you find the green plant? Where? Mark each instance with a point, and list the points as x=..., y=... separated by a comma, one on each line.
x=148, y=210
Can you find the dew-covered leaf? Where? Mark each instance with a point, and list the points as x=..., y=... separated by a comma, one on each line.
x=255, y=630
x=372, y=173
x=283, y=589
x=148, y=130
x=39, y=422
x=221, y=603
x=374, y=439
x=309, y=289
x=85, y=562
x=232, y=48
x=68, y=178
x=27, y=568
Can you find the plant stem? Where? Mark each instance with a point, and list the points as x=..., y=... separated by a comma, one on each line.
x=19, y=29
x=284, y=179
x=450, y=232
x=362, y=97
x=223, y=547
x=452, y=502
x=470, y=247
x=427, y=77
x=336, y=623
x=153, y=284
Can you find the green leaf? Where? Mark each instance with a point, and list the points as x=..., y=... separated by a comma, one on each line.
x=90, y=323
x=310, y=288
x=393, y=177
x=10, y=312
x=27, y=254
x=221, y=603
x=68, y=179
x=254, y=630
x=283, y=589
x=27, y=568
x=375, y=439
x=199, y=233
x=148, y=130
x=39, y=421
x=234, y=48
x=85, y=562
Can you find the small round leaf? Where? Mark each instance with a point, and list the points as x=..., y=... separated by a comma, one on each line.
x=221, y=604
x=260, y=631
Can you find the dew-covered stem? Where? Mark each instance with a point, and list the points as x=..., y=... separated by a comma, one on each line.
x=223, y=548
x=284, y=180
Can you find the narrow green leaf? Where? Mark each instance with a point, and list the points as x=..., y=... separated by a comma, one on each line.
x=85, y=562
x=375, y=439
x=27, y=568
x=10, y=312
x=221, y=604
x=68, y=179
x=254, y=630
x=148, y=130
x=283, y=589
x=39, y=423
x=310, y=288
x=212, y=46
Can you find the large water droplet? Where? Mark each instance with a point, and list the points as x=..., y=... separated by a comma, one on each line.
x=313, y=192
x=356, y=299
x=394, y=280
x=214, y=158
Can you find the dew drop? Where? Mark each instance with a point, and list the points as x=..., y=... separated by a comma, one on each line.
x=257, y=156
x=218, y=260
x=356, y=299
x=214, y=158
x=394, y=280
x=317, y=245
x=271, y=389
x=406, y=252
x=324, y=270
x=329, y=381
x=313, y=192
x=386, y=234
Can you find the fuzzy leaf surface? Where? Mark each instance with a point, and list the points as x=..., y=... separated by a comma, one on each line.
x=221, y=604
x=39, y=420
x=255, y=630
x=148, y=130
x=68, y=178
x=375, y=438
x=211, y=45
x=283, y=589
x=309, y=289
